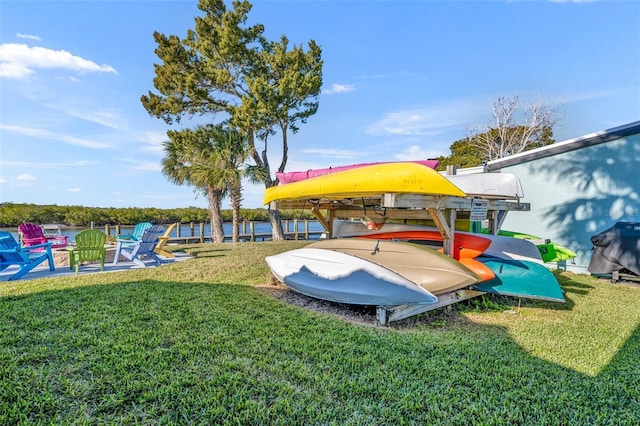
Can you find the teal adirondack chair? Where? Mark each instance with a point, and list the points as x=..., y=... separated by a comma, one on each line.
x=12, y=254
x=90, y=246
x=136, y=234
x=135, y=251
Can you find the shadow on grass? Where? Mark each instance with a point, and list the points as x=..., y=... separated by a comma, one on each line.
x=207, y=251
x=572, y=286
x=443, y=317
x=137, y=348
x=495, y=302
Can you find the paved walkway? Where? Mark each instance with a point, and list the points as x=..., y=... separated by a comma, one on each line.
x=42, y=270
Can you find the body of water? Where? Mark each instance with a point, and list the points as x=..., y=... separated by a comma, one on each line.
x=186, y=231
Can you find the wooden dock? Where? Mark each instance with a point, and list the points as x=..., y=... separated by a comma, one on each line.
x=196, y=232
x=246, y=237
x=192, y=232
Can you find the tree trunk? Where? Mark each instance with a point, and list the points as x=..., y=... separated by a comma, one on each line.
x=263, y=161
x=236, y=201
x=276, y=224
x=215, y=202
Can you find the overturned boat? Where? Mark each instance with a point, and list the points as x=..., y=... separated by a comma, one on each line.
x=344, y=278
x=290, y=177
x=423, y=266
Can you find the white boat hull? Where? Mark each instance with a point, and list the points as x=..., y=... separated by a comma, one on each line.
x=512, y=248
x=503, y=186
x=431, y=270
x=339, y=277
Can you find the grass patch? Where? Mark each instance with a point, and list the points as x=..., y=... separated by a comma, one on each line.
x=200, y=342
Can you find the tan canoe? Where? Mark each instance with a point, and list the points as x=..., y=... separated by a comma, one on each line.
x=426, y=267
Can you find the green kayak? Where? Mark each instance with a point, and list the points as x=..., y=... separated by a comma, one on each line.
x=549, y=251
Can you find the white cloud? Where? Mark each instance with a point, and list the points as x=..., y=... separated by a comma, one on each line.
x=153, y=141
x=23, y=177
x=13, y=70
x=430, y=121
x=45, y=134
x=339, y=88
x=45, y=165
x=147, y=166
x=416, y=152
x=3, y=179
x=20, y=60
x=111, y=119
x=73, y=190
x=566, y=98
x=333, y=153
x=28, y=36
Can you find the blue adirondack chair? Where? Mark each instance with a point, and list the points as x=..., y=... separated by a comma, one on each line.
x=24, y=257
x=135, y=251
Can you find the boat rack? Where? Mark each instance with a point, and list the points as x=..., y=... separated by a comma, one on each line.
x=387, y=314
x=617, y=276
x=442, y=210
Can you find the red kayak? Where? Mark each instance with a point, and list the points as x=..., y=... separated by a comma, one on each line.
x=289, y=177
x=465, y=245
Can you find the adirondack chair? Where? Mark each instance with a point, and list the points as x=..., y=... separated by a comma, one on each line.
x=163, y=240
x=136, y=234
x=144, y=247
x=90, y=246
x=12, y=254
x=33, y=234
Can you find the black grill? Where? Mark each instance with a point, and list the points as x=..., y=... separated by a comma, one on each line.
x=617, y=249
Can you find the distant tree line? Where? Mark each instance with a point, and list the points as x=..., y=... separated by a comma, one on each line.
x=12, y=215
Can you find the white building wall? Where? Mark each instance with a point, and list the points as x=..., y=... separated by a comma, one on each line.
x=579, y=193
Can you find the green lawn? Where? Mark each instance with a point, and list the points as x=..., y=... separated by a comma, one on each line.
x=201, y=342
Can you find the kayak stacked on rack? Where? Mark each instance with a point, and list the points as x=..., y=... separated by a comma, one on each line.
x=289, y=177
x=549, y=251
x=400, y=265
x=367, y=181
x=515, y=264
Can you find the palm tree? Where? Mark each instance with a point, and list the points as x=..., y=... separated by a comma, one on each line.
x=231, y=150
x=211, y=158
x=183, y=164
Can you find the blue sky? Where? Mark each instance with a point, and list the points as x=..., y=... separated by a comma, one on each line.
x=402, y=80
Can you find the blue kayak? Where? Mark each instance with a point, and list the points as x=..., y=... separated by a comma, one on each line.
x=521, y=278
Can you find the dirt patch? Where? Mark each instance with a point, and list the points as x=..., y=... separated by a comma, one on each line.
x=362, y=315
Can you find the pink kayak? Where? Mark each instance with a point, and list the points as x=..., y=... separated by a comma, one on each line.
x=289, y=177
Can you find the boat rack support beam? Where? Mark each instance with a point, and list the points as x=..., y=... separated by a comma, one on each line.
x=387, y=314
x=416, y=201
x=326, y=224
x=500, y=216
x=444, y=226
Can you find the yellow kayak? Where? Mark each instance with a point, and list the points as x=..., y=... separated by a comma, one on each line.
x=368, y=181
